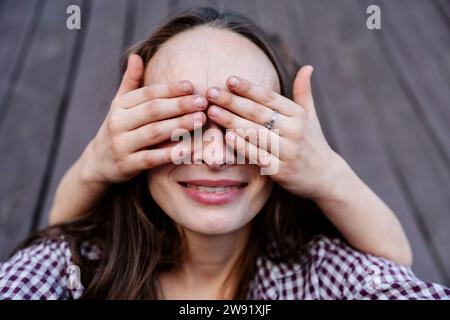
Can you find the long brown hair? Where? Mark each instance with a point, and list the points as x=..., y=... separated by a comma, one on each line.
x=137, y=239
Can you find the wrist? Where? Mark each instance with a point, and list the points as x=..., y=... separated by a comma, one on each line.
x=88, y=175
x=338, y=182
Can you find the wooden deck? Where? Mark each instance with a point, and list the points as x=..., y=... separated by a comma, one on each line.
x=383, y=98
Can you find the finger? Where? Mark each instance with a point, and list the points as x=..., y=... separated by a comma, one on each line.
x=262, y=95
x=257, y=134
x=302, y=91
x=251, y=152
x=244, y=107
x=148, y=159
x=160, y=131
x=230, y=120
x=159, y=109
x=132, y=77
x=154, y=91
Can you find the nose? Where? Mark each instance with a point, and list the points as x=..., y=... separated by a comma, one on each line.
x=212, y=150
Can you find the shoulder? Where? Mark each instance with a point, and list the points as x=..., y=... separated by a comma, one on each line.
x=350, y=274
x=40, y=271
x=331, y=269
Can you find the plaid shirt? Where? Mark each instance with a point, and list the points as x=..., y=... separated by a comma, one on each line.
x=330, y=269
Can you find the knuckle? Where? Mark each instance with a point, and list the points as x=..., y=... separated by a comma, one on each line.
x=182, y=86
x=267, y=96
x=149, y=92
x=183, y=104
x=185, y=121
x=122, y=166
x=151, y=109
x=245, y=86
x=254, y=111
x=148, y=160
x=227, y=99
x=167, y=155
x=114, y=122
x=116, y=146
x=153, y=133
x=227, y=121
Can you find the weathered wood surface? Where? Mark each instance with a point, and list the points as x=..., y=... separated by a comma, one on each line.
x=31, y=118
x=383, y=98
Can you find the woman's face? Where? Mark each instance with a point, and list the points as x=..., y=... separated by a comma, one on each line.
x=210, y=197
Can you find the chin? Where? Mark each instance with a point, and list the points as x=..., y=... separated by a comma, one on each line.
x=214, y=220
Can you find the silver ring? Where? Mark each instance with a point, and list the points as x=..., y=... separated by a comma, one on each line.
x=269, y=124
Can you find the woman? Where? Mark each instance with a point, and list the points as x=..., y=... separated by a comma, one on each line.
x=153, y=218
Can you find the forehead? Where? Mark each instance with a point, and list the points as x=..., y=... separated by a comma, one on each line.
x=207, y=56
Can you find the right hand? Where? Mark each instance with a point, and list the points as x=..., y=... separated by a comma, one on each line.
x=139, y=118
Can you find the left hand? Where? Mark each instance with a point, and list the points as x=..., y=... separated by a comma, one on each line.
x=307, y=165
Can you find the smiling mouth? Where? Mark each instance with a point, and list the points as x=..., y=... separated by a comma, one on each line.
x=213, y=186
x=213, y=192
x=211, y=189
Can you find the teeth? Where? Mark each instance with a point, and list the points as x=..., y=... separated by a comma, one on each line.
x=212, y=189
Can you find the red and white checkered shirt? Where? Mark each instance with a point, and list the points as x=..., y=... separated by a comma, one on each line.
x=330, y=269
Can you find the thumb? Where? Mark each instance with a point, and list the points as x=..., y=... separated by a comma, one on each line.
x=132, y=77
x=301, y=91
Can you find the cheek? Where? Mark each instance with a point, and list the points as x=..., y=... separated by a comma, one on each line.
x=158, y=184
x=261, y=193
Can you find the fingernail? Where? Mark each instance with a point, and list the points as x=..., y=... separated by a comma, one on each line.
x=213, y=93
x=233, y=82
x=198, y=102
x=186, y=86
x=214, y=111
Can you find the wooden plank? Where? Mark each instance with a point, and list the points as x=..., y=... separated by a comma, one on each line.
x=418, y=43
x=420, y=166
x=366, y=151
x=27, y=131
x=276, y=22
x=17, y=19
x=91, y=102
x=247, y=8
x=435, y=32
x=149, y=15
x=443, y=6
x=94, y=88
x=244, y=7
x=337, y=46
x=195, y=3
